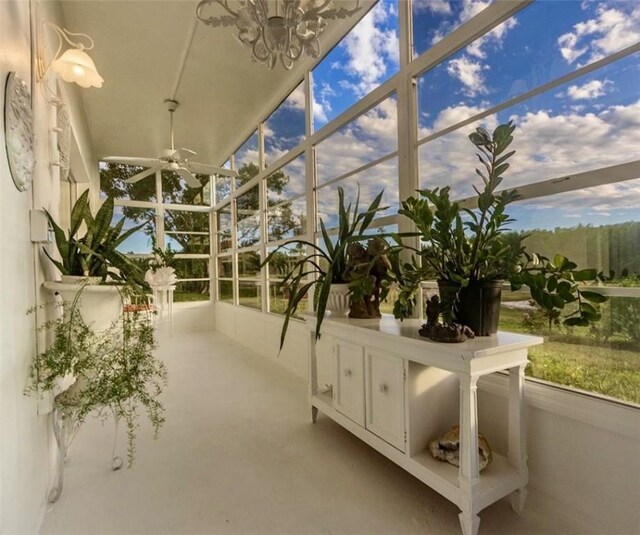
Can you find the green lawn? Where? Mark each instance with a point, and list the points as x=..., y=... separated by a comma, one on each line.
x=580, y=361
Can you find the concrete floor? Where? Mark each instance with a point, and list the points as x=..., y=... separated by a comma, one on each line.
x=239, y=455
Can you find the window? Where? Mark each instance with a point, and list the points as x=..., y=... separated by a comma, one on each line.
x=364, y=59
x=247, y=160
x=285, y=129
x=223, y=185
x=282, y=262
x=248, y=218
x=249, y=286
x=179, y=220
x=287, y=201
x=176, y=191
x=435, y=19
x=368, y=138
x=568, y=75
x=225, y=278
x=112, y=183
x=140, y=242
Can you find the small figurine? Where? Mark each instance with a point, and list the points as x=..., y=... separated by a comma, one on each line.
x=452, y=333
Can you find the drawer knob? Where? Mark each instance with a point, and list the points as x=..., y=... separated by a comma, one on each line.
x=347, y=372
x=384, y=388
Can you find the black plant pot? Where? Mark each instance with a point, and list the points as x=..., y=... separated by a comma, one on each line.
x=477, y=306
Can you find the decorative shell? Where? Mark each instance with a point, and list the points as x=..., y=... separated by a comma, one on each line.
x=447, y=448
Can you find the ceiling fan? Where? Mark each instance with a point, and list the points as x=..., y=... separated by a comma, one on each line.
x=176, y=160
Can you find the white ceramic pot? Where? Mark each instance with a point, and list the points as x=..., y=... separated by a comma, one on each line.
x=99, y=305
x=339, y=300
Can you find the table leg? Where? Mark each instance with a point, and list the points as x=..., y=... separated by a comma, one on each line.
x=313, y=375
x=469, y=474
x=517, y=434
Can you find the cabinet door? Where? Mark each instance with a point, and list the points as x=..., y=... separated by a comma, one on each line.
x=385, y=397
x=349, y=391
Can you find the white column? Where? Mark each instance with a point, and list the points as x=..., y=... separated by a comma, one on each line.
x=518, y=434
x=468, y=475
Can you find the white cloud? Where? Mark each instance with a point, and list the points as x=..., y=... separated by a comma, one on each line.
x=368, y=138
x=438, y=7
x=469, y=73
x=470, y=8
x=548, y=146
x=493, y=39
x=296, y=99
x=612, y=29
x=589, y=91
x=370, y=50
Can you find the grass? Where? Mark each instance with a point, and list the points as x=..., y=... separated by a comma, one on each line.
x=181, y=297
x=580, y=361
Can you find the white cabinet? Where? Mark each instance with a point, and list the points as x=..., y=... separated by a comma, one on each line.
x=384, y=407
x=349, y=381
x=396, y=391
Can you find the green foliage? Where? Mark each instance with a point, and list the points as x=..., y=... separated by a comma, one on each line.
x=162, y=258
x=464, y=245
x=95, y=253
x=114, y=368
x=556, y=283
x=323, y=266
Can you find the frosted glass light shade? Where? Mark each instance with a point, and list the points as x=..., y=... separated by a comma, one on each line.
x=76, y=66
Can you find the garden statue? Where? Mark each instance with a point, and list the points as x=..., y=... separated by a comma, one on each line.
x=367, y=269
x=438, y=332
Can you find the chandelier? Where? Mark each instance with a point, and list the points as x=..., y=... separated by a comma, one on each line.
x=286, y=35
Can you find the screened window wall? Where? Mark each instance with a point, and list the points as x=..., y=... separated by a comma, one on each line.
x=174, y=217
x=391, y=106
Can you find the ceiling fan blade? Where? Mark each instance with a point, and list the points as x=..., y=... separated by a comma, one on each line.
x=140, y=176
x=205, y=169
x=185, y=153
x=188, y=176
x=140, y=162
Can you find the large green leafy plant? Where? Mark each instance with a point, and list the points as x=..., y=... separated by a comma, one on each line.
x=464, y=245
x=114, y=368
x=326, y=264
x=94, y=253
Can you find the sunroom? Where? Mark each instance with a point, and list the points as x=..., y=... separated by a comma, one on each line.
x=222, y=150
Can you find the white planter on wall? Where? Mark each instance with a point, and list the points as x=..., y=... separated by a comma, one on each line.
x=99, y=305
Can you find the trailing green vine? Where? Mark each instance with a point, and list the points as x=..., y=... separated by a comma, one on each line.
x=113, y=368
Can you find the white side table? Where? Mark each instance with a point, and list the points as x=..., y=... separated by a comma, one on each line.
x=163, y=302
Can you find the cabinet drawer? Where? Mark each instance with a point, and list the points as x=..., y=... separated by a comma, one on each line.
x=349, y=381
x=385, y=397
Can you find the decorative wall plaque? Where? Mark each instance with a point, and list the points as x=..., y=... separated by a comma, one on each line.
x=18, y=131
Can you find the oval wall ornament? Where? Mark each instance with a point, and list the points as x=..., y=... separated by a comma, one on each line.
x=18, y=131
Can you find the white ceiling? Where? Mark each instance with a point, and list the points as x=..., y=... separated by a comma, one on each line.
x=138, y=50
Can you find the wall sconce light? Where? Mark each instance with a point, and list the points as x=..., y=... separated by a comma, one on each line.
x=74, y=64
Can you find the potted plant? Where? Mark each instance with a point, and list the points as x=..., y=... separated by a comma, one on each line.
x=325, y=267
x=468, y=252
x=94, y=255
x=114, y=368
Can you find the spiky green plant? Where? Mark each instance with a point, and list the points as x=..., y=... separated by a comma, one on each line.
x=94, y=253
x=324, y=265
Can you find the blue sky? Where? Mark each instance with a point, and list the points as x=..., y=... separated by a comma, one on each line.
x=590, y=122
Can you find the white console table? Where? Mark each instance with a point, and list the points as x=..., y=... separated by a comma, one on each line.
x=396, y=391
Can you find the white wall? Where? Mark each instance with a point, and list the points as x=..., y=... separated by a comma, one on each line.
x=24, y=434
x=26, y=442
x=583, y=452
